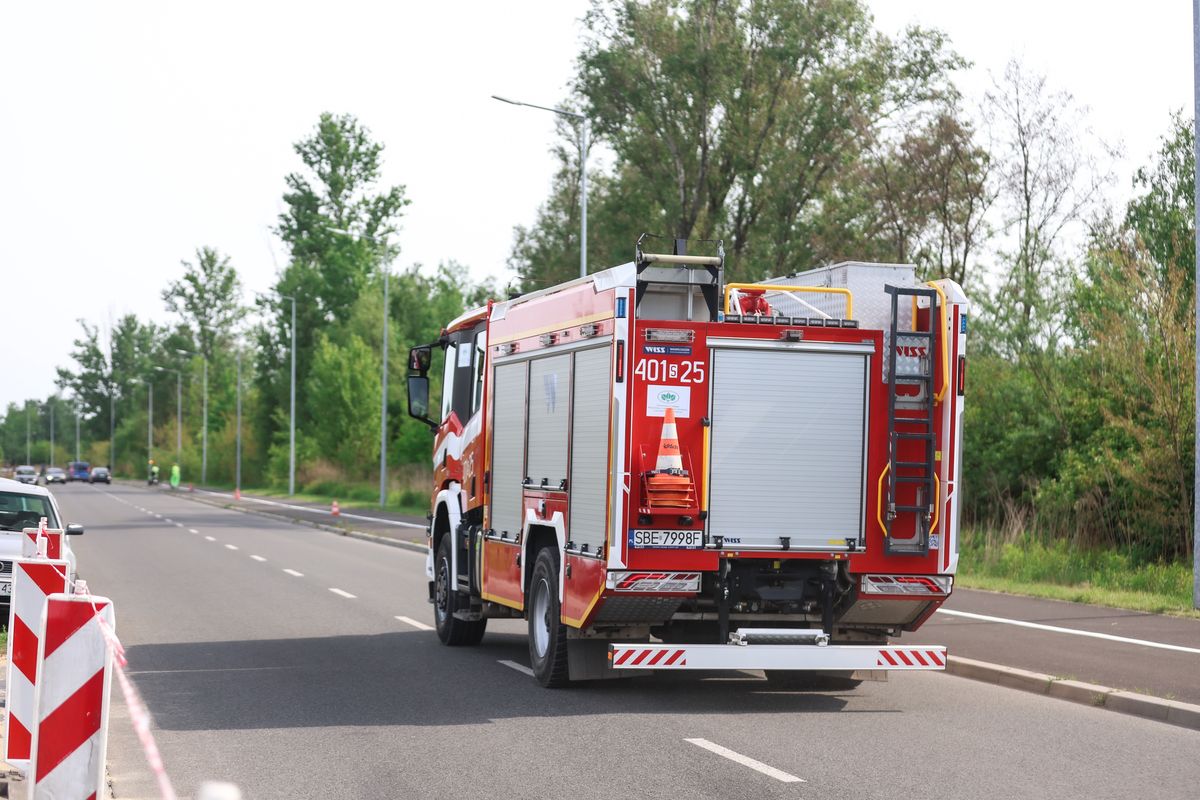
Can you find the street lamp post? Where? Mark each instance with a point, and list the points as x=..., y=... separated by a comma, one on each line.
x=28, y=450
x=583, y=150
x=178, y=411
x=292, y=417
x=112, y=429
x=52, y=430
x=204, y=414
x=76, y=430
x=237, y=479
x=384, y=392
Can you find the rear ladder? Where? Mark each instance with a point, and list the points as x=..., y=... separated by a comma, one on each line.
x=910, y=363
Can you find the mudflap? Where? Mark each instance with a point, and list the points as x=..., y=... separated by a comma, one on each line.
x=587, y=660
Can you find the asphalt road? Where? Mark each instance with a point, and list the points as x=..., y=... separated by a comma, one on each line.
x=271, y=655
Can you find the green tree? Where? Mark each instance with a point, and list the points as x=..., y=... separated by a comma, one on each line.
x=733, y=120
x=343, y=390
x=207, y=299
x=1163, y=212
x=328, y=271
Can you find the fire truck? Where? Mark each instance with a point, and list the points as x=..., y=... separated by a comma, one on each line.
x=659, y=470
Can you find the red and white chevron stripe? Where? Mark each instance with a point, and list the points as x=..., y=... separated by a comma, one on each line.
x=53, y=542
x=660, y=657
x=33, y=581
x=917, y=657
x=71, y=700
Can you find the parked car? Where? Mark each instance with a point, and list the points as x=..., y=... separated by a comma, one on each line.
x=54, y=475
x=77, y=470
x=26, y=474
x=21, y=506
x=100, y=475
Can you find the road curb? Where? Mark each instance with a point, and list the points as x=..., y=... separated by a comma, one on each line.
x=346, y=532
x=1172, y=712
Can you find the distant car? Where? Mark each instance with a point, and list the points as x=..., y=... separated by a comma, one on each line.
x=55, y=475
x=26, y=474
x=22, y=506
x=77, y=470
x=100, y=474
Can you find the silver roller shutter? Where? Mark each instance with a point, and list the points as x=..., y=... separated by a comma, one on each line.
x=508, y=447
x=549, y=413
x=589, y=448
x=787, y=447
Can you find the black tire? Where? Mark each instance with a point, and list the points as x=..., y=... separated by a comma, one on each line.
x=803, y=681
x=447, y=599
x=547, y=634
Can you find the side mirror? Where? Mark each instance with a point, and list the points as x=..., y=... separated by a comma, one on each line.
x=419, y=359
x=418, y=400
x=74, y=530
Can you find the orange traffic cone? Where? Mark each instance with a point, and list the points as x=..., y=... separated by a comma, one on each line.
x=191, y=488
x=669, y=486
x=334, y=510
x=669, y=458
x=237, y=493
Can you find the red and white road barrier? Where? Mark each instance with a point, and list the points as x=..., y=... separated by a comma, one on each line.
x=71, y=699
x=34, y=579
x=53, y=541
x=335, y=510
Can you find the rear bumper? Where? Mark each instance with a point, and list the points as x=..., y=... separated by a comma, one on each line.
x=776, y=656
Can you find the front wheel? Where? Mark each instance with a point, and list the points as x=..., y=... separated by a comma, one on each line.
x=447, y=599
x=547, y=634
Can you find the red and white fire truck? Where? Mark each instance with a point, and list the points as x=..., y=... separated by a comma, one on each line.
x=660, y=470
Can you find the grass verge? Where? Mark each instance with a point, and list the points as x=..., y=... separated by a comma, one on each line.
x=1028, y=566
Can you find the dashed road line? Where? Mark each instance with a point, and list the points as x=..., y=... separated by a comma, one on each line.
x=421, y=626
x=211, y=538
x=746, y=761
x=192, y=530
x=178, y=524
x=294, y=574
x=258, y=558
x=341, y=593
x=518, y=667
x=1073, y=631
x=231, y=547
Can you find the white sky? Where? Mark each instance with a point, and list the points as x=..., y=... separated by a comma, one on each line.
x=132, y=133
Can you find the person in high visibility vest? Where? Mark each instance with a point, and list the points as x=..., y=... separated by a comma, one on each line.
x=174, y=476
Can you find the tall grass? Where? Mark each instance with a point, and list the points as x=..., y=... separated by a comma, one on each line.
x=1026, y=564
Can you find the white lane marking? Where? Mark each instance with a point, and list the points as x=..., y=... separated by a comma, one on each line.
x=192, y=530
x=211, y=538
x=746, y=761
x=231, y=547
x=517, y=667
x=310, y=509
x=178, y=524
x=1073, y=631
x=160, y=516
x=294, y=574
x=168, y=519
x=341, y=593
x=258, y=558
x=421, y=626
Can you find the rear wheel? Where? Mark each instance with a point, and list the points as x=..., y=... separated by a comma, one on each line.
x=547, y=634
x=447, y=599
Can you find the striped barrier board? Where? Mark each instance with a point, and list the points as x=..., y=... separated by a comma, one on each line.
x=34, y=579
x=53, y=542
x=71, y=699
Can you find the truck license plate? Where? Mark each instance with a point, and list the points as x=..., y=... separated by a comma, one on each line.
x=643, y=537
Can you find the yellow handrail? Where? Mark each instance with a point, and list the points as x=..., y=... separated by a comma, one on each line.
x=943, y=337
x=937, y=502
x=774, y=287
x=879, y=501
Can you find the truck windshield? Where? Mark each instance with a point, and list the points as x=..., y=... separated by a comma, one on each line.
x=18, y=511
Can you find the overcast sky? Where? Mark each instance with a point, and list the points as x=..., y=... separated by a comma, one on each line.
x=132, y=133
